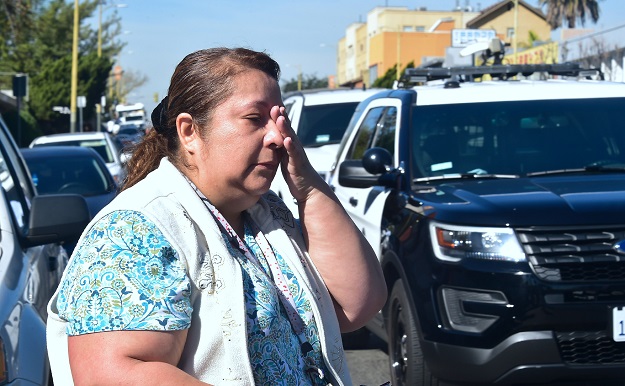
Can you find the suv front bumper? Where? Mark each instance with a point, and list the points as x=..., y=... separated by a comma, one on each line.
x=524, y=357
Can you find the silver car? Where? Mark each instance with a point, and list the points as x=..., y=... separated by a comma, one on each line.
x=101, y=142
x=31, y=263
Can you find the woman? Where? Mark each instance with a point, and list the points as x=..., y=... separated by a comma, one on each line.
x=196, y=273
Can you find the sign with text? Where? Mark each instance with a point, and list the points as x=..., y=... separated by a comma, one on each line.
x=543, y=54
x=464, y=37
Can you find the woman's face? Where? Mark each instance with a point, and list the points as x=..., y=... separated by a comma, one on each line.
x=243, y=147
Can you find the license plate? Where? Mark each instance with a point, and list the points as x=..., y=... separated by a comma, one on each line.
x=618, y=324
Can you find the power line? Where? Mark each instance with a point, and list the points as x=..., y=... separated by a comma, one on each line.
x=595, y=33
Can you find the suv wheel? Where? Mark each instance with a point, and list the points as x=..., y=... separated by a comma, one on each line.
x=406, y=357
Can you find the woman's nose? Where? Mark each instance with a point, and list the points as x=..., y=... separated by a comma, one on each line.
x=273, y=138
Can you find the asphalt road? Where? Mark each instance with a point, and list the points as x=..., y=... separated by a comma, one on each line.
x=369, y=365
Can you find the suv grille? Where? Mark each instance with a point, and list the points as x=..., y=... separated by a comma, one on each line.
x=566, y=255
x=586, y=348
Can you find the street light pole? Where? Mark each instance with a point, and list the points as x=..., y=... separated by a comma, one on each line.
x=100, y=23
x=100, y=30
x=516, y=26
x=74, y=81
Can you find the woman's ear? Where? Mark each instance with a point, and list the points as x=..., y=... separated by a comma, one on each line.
x=189, y=137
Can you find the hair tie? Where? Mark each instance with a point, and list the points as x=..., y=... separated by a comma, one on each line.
x=159, y=116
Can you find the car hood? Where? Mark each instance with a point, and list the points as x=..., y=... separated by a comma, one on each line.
x=322, y=157
x=546, y=201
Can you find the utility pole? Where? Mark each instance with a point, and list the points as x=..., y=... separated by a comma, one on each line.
x=516, y=25
x=20, y=87
x=74, y=86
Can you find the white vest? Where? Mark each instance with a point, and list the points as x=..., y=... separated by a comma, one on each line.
x=216, y=347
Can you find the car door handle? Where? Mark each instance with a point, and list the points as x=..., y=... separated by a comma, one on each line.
x=353, y=201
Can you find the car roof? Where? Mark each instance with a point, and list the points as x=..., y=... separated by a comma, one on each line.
x=58, y=151
x=331, y=96
x=80, y=136
x=435, y=93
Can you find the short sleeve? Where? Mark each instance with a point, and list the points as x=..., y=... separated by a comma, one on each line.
x=125, y=275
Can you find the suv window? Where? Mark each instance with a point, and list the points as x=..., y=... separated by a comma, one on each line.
x=365, y=133
x=385, y=134
x=288, y=106
x=376, y=130
x=324, y=124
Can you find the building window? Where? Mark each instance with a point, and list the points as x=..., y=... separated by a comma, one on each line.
x=373, y=73
x=510, y=32
x=408, y=28
x=419, y=28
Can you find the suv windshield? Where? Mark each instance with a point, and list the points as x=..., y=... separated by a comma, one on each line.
x=324, y=124
x=517, y=138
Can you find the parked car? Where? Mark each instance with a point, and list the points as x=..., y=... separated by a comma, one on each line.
x=71, y=169
x=128, y=135
x=497, y=210
x=319, y=117
x=31, y=229
x=101, y=142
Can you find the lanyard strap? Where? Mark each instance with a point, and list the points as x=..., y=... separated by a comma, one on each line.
x=278, y=277
x=286, y=298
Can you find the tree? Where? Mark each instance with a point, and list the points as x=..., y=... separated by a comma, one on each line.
x=390, y=76
x=36, y=39
x=130, y=80
x=308, y=82
x=532, y=38
x=569, y=11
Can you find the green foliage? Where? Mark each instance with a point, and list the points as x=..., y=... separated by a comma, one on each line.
x=308, y=82
x=390, y=76
x=28, y=129
x=36, y=38
x=569, y=11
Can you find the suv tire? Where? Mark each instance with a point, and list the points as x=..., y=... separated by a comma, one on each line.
x=405, y=355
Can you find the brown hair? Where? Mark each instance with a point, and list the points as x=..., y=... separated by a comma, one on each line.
x=200, y=83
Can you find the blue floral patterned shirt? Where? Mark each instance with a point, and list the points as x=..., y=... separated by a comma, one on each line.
x=126, y=276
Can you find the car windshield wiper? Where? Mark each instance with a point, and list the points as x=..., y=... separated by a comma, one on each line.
x=593, y=168
x=463, y=176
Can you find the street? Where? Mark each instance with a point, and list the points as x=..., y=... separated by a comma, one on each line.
x=369, y=366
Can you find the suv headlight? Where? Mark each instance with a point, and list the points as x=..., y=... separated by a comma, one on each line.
x=454, y=243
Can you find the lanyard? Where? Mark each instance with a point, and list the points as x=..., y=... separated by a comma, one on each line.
x=286, y=298
x=278, y=277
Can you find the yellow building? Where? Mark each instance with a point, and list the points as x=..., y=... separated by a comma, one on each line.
x=502, y=18
x=394, y=35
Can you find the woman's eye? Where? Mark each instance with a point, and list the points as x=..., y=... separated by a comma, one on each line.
x=254, y=118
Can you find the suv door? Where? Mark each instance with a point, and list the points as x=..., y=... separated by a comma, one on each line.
x=365, y=204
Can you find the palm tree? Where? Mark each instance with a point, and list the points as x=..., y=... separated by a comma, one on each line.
x=569, y=11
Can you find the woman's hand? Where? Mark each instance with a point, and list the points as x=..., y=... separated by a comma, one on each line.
x=299, y=174
x=341, y=254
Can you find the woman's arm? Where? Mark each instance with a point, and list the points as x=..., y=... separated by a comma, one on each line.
x=128, y=358
x=344, y=258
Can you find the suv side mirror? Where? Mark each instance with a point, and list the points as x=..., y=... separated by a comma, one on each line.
x=365, y=173
x=377, y=160
x=57, y=217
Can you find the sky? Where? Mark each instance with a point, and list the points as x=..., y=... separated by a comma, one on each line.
x=298, y=34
